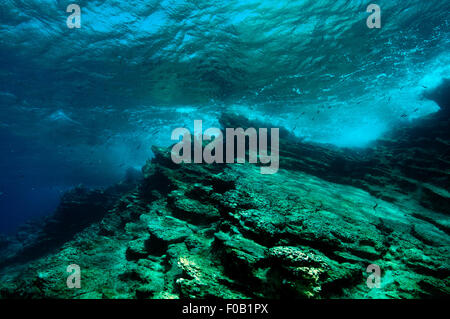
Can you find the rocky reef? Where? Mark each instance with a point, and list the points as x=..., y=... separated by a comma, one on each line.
x=226, y=231
x=79, y=208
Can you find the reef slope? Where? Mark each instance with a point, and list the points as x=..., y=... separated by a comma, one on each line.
x=226, y=231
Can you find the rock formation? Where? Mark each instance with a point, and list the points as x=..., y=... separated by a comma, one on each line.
x=226, y=231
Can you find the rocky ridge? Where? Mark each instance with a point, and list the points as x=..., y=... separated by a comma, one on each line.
x=226, y=231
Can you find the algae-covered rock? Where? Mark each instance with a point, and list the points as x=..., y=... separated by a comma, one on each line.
x=137, y=249
x=240, y=256
x=226, y=231
x=199, y=279
x=191, y=209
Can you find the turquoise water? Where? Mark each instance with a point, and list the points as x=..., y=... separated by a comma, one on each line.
x=82, y=105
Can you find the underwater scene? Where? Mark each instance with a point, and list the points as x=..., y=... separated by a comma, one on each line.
x=224, y=150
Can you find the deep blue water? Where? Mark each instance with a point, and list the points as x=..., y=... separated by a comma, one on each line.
x=83, y=105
